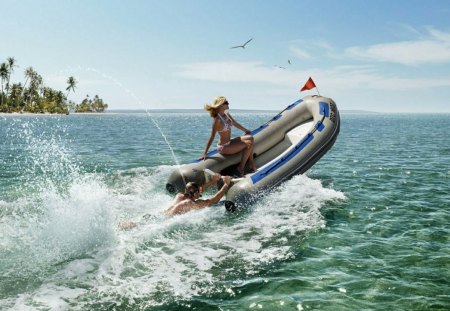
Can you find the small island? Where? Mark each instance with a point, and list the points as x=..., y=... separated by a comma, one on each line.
x=34, y=97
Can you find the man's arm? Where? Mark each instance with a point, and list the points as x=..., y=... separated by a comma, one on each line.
x=216, y=198
x=215, y=178
x=172, y=209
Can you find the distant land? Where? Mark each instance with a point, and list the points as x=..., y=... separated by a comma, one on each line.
x=357, y=111
x=203, y=111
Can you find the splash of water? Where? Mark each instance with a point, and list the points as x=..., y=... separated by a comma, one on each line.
x=203, y=252
x=72, y=243
x=134, y=96
x=59, y=214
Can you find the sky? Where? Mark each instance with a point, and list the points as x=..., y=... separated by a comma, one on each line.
x=382, y=56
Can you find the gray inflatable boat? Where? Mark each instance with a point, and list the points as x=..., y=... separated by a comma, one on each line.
x=288, y=144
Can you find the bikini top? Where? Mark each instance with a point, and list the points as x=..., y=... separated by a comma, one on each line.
x=227, y=123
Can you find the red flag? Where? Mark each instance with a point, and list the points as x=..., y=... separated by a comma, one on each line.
x=308, y=85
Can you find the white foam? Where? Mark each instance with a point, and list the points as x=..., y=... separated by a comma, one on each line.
x=163, y=257
x=181, y=255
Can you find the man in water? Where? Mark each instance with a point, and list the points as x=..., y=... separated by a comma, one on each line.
x=190, y=199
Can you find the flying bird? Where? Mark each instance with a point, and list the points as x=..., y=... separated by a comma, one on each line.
x=241, y=46
x=289, y=61
x=280, y=67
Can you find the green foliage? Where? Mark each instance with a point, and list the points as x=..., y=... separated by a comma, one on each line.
x=91, y=105
x=33, y=96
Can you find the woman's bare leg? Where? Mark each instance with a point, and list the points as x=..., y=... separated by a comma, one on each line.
x=244, y=144
x=251, y=164
x=248, y=139
x=244, y=158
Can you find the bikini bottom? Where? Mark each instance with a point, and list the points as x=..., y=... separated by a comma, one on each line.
x=220, y=147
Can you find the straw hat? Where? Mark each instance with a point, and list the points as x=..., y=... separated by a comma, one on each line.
x=218, y=101
x=213, y=108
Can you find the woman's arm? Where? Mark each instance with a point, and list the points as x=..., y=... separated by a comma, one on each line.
x=239, y=126
x=210, y=140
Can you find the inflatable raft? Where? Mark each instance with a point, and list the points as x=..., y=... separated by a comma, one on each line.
x=288, y=144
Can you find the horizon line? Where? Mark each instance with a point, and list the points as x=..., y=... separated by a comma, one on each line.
x=234, y=110
x=173, y=110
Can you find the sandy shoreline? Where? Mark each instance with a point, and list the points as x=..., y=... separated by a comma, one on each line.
x=18, y=114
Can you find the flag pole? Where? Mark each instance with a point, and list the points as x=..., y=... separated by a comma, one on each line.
x=318, y=91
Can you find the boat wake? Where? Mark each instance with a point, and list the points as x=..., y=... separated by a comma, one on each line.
x=61, y=246
x=68, y=248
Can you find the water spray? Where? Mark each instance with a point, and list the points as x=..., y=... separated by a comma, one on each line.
x=118, y=83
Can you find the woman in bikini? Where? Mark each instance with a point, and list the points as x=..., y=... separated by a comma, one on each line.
x=222, y=124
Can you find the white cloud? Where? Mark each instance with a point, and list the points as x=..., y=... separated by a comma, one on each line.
x=435, y=49
x=367, y=77
x=302, y=49
x=440, y=35
x=237, y=72
x=299, y=53
x=408, y=28
x=339, y=78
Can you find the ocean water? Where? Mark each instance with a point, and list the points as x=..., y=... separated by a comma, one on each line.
x=366, y=228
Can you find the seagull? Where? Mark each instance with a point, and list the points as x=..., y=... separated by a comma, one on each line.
x=289, y=61
x=241, y=46
x=280, y=67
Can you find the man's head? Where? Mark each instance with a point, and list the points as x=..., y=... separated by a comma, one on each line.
x=192, y=190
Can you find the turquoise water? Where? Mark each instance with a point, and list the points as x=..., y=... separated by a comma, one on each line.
x=367, y=228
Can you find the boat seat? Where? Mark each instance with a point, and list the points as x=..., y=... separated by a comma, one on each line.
x=291, y=138
x=297, y=133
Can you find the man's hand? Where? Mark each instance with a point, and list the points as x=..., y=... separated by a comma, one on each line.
x=216, y=177
x=227, y=180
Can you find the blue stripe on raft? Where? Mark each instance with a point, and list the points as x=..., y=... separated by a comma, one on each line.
x=211, y=153
x=259, y=129
x=294, y=104
x=319, y=126
x=278, y=116
x=324, y=109
x=276, y=165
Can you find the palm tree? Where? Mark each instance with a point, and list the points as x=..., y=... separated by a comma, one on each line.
x=4, y=76
x=29, y=73
x=71, y=85
x=15, y=99
x=36, y=82
x=11, y=62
